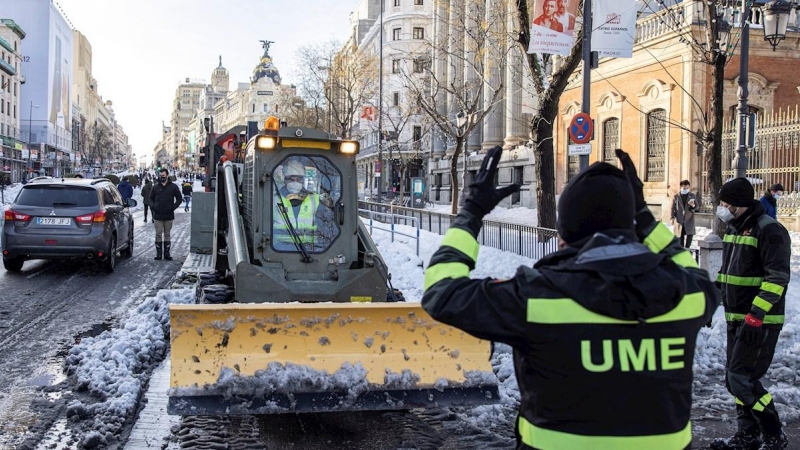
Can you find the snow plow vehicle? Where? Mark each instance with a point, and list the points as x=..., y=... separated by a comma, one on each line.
x=311, y=325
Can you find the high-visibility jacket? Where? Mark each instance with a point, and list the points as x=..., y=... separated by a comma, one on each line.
x=603, y=335
x=756, y=253
x=303, y=220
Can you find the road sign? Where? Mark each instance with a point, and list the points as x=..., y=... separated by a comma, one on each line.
x=581, y=128
x=580, y=149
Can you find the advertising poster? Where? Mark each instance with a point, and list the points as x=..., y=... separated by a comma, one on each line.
x=369, y=114
x=614, y=28
x=60, y=74
x=553, y=26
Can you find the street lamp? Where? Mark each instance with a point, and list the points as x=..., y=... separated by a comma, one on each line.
x=30, y=130
x=776, y=18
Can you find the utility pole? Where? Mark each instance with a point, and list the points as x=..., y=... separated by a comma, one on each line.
x=380, y=110
x=740, y=160
x=587, y=68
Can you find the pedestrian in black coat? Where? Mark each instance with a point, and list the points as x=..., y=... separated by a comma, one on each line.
x=165, y=198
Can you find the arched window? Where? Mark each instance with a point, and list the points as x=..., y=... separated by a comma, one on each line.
x=610, y=140
x=573, y=162
x=656, y=145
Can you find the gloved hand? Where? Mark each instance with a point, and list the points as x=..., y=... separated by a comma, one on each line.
x=750, y=331
x=633, y=179
x=644, y=218
x=483, y=196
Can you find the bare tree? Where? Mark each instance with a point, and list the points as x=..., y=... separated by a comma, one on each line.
x=98, y=144
x=548, y=90
x=396, y=118
x=344, y=78
x=297, y=114
x=462, y=77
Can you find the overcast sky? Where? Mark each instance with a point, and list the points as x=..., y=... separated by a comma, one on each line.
x=142, y=49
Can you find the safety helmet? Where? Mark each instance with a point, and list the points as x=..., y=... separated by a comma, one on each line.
x=294, y=167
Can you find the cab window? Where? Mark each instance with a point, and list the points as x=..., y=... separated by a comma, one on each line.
x=304, y=194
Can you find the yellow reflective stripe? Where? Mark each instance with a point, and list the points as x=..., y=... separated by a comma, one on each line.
x=742, y=240
x=684, y=259
x=772, y=287
x=659, y=238
x=738, y=402
x=439, y=272
x=566, y=310
x=462, y=241
x=774, y=319
x=739, y=281
x=543, y=438
x=763, y=304
x=764, y=401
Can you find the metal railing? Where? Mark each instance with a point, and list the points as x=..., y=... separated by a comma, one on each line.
x=531, y=242
x=391, y=217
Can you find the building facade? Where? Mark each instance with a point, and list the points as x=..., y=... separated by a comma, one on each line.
x=13, y=145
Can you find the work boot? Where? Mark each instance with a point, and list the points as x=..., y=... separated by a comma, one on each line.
x=159, y=248
x=774, y=442
x=145, y=220
x=166, y=251
x=742, y=440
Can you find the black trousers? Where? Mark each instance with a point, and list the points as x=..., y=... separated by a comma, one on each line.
x=145, y=210
x=747, y=364
x=686, y=239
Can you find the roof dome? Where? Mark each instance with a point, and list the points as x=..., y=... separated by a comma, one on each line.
x=265, y=67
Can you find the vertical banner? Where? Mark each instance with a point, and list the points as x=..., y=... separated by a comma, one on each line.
x=614, y=28
x=553, y=26
x=369, y=114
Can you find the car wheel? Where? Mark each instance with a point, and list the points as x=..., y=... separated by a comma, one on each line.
x=128, y=251
x=110, y=263
x=13, y=264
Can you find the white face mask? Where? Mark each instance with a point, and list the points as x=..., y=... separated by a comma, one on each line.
x=776, y=196
x=294, y=187
x=684, y=191
x=725, y=214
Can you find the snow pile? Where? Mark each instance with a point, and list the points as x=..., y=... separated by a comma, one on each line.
x=114, y=366
x=521, y=216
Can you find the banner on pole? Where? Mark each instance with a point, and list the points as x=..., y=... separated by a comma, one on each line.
x=369, y=114
x=614, y=28
x=553, y=27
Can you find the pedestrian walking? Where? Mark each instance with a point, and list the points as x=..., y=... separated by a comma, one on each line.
x=602, y=330
x=770, y=199
x=148, y=186
x=125, y=188
x=165, y=198
x=683, y=206
x=756, y=251
x=186, y=190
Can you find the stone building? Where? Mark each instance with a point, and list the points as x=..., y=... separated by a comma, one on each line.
x=13, y=144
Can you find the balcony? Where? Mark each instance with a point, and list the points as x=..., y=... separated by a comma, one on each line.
x=7, y=68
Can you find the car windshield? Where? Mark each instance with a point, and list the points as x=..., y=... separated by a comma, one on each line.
x=49, y=196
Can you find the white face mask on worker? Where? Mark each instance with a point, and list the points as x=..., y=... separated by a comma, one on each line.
x=725, y=214
x=294, y=187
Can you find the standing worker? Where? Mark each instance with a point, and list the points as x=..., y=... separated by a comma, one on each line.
x=770, y=199
x=165, y=198
x=602, y=330
x=186, y=189
x=148, y=186
x=683, y=207
x=756, y=251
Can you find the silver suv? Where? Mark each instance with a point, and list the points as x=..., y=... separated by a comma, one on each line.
x=54, y=218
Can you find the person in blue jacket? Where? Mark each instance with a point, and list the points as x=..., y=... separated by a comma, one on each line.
x=125, y=189
x=770, y=199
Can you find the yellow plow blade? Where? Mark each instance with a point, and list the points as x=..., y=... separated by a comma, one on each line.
x=272, y=358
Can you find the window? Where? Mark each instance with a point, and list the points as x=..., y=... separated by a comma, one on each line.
x=610, y=140
x=418, y=2
x=573, y=162
x=417, y=134
x=420, y=64
x=395, y=66
x=308, y=188
x=395, y=99
x=656, y=145
x=419, y=33
x=517, y=179
x=396, y=34
x=396, y=2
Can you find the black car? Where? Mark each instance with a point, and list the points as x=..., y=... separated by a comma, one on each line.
x=54, y=218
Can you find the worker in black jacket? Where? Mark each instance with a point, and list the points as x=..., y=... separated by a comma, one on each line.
x=756, y=251
x=165, y=198
x=603, y=330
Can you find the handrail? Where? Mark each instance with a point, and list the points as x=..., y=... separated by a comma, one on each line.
x=392, y=230
x=236, y=227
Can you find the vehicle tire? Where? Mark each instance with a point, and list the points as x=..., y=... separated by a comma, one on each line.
x=128, y=251
x=13, y=264
x=216, y=294
x=110, y=263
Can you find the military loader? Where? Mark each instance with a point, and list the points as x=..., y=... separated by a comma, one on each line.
x=311, y=325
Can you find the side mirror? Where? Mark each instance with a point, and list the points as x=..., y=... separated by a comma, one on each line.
x=131, y=203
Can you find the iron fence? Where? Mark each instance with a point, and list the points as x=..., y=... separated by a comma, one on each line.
x=531, y=242
x=775, y=158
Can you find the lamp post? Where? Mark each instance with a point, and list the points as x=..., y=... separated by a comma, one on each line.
x=30, y=130
x=380, y=108
x=776, y=18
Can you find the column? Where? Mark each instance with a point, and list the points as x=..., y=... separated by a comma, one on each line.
x=515, y=126
x=493, y=63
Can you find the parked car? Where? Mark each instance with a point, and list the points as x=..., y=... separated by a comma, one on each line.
x=55, y=218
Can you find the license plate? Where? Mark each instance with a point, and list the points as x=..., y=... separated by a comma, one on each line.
x=53, y=221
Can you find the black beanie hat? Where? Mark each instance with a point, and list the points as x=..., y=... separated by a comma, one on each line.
x=738, y=192
x=598, y=199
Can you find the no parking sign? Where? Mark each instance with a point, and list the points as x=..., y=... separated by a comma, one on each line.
x=581, y=128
